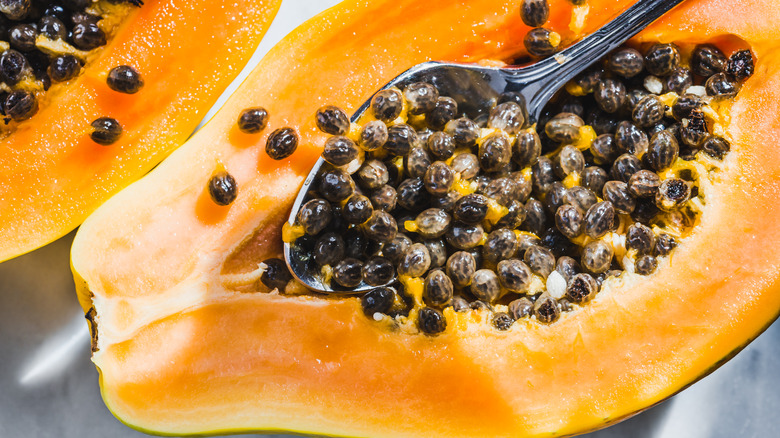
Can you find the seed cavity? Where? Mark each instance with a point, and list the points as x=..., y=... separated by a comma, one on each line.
x=446, y=217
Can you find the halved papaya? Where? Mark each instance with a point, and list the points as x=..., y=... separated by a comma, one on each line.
x=52, y=174
x=181, y=348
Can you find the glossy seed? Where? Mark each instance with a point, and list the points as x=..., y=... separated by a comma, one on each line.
x=541, y=42
x=357, y=209
x=644, y=184
x=672, y=193
x=412, y=194
x=546, y=309
x=569, y=221
x=678, y=80
x=253, y=120
x=387, y=104
x=624, y=167
x=686, y=104
x=594, y=178
x=438, y=252
x=471, y=208
x=507, y=116
x=719, y=87
x=335, y=185
x=640, y=238
x=339, y=150
x=740, y=65
x=501, y=244
x=281, y=143
x=569, y=161
x=580, y=197
x=125, y=79
x=535, y=218
x=514, y=275
x=503, y=190
x=222, y=188
x=706, y=60
x=610, y=95
x=87, y=36
x=432, y=223
x=373, y=135
x=332, y=120
x=604, y=149
x=314, y=216
x=378, y=271
x=526, y=148
x=534, y=13
x=51, y=27
x=400, y=139
x=597, y=257
x=445, y=110
x=348, y=273
x=276, y=274
x=431, y=321
x=372, y=175
x=22, y=37
x=616, y=192
x=396, y=248
x=495, y=151
x=485, y=286
x=540, y=259
x=564, y=127
x=716, y=147
x=15, y=9
x=329, y=249
x=63, y=68
x=626, y=62
x=646, y=265
x=631, y=139
x=567, y=267
x=378, y=300
x=599, y=219
x=543, y=175
x=415, y=261
x=438, y=178
x=664, y=244
x=20, y=105
x=438, y=289
x=465, y=236
x=381, y=226
x=460, y=267
x=648, y=112
x=463, y=130
x=663, y=151
x=105, y=131
x=662, y=59
x=521, y=308
x=421, y=97
x=440, y=145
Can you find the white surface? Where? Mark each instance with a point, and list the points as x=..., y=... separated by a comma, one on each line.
x=49, y=388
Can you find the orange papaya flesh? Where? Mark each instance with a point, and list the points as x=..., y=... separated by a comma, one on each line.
x=52, y=175
x=181, y=351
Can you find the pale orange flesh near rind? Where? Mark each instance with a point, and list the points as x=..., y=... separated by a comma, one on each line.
x=179, y=353
x=52, y=176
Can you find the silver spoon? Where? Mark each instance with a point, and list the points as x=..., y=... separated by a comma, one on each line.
x=476, y=88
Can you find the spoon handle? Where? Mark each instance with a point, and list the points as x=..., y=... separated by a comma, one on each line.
x=552, y=73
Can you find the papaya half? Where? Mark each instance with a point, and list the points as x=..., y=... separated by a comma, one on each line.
x=53, y=174
x=185, y=345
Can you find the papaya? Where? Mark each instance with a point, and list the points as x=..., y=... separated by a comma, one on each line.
x=54, y=172
x=188, y=339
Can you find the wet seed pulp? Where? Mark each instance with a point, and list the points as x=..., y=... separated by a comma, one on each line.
x=515, y=220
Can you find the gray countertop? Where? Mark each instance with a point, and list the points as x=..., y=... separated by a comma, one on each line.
x=49, y=387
